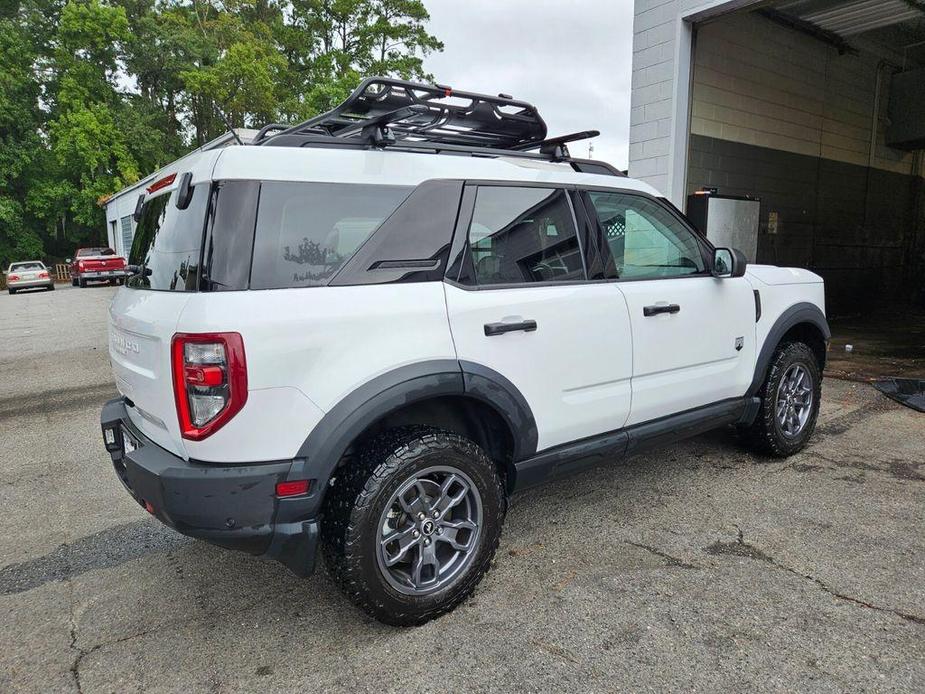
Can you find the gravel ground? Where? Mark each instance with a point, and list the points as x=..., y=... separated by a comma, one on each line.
x=696, y=568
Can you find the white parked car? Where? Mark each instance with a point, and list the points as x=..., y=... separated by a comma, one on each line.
x=30, y=274
x=365, y=332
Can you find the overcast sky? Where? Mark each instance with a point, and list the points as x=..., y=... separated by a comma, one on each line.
x=570, y=58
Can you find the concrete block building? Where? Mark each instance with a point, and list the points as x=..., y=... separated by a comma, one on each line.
x=816, y=107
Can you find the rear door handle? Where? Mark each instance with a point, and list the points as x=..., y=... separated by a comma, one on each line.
x=527, y=326
x=660, y=308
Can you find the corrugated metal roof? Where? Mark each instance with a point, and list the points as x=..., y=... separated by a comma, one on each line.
x=852, y=17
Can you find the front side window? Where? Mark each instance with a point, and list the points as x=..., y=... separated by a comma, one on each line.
x=645, y=241
x=523, y=235
x=167, y=243
x=305, y=232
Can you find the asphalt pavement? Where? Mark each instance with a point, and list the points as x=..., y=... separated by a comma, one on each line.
x=700, y=567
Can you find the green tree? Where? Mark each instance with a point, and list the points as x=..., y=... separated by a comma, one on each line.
x=20, y=144
x=96, y=93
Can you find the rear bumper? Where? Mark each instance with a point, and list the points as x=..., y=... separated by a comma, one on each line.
x=30, y=284
x=101, y=274
x=233, y=506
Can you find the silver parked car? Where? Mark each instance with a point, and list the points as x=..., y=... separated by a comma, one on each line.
x=28, y=275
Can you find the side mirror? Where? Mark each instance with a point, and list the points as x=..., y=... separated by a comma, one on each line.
x=728, y=262
x=68, y=260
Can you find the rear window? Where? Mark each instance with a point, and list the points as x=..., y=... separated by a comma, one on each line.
x=167, y=243
x=306, y=231
x=24, y=267
x=95, y=251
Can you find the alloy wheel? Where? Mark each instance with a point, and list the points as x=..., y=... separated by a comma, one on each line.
x=794, y=400
x=429, y=530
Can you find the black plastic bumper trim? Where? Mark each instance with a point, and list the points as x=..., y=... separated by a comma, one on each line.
x=233, y=506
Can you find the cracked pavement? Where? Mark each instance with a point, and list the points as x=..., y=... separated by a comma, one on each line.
x=699, y=567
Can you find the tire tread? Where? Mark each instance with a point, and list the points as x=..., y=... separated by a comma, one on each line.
x=348, y=503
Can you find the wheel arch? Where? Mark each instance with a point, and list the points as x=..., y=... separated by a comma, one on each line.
x=466, y=398
x=803, y=322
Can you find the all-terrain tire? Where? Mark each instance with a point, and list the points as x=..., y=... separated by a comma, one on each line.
x=355, y=504
x=766, y=435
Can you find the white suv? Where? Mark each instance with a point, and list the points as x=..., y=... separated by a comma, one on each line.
x=367, y=331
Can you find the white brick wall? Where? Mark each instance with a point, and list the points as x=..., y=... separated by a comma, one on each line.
x=759, y=83
x=655, y=32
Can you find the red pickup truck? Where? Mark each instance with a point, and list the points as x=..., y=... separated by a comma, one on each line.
x=97, y=265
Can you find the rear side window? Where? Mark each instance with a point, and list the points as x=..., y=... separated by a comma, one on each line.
x=523, y=235
x=306, y=231
x=167, y=243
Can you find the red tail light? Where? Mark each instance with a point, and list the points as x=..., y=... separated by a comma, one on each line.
x=43, y=275
x=80, y=265
x=209, y=381
x=12, y=278
x=293, y=488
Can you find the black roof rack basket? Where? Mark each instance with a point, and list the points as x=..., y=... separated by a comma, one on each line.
x=387, y=112
x=383, y=110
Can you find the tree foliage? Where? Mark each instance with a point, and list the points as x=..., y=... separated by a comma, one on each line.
x=95, y=94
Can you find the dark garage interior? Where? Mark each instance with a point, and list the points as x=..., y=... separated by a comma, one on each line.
x=817, y=108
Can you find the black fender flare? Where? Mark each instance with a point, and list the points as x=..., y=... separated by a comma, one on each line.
x=342, y=424
x=803, y=312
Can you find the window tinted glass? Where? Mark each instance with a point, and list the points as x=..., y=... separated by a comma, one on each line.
x=644, y=239
x=167, y=243
x=413, y=244
x=520, y=235
x=307, y=231
x=230, y=237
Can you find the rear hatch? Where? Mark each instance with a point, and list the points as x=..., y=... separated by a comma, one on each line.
x=143, y=315
x=141, y=325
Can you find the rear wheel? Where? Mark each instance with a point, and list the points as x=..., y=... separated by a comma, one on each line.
x=82, y=283
x=51, y=287
x=790, y=398
x=73, y=281
x=12, y=291
x=411, y=526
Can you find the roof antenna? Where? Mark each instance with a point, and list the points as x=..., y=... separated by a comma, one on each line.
x=221, y=114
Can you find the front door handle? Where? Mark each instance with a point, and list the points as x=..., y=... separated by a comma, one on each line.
x=660, y=308
x=528, y=326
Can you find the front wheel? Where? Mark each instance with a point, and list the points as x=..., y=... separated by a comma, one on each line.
x=412, y=525
x=790, y=398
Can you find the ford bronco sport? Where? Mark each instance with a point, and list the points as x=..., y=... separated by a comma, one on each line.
x=362, y=334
